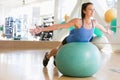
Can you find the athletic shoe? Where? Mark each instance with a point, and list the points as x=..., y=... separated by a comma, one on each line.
x=45, y=60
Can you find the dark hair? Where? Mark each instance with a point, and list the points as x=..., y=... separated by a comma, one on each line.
x=84, y=6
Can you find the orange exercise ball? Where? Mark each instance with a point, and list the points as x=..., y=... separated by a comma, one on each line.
x=110, y=14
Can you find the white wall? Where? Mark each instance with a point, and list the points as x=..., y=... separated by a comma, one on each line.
x=1, y=15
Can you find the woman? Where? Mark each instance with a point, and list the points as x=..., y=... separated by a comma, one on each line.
x=83, y=32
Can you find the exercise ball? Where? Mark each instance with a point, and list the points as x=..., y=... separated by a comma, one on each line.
x=66, y=17
x=78, y=59
x=110, y=14
x=100, y=42
x=113, y=29
x=71, y=28
x=114, y=22
x=113, y=25
x=98, y=32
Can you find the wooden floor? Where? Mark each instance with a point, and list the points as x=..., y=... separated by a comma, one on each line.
x=27, y=65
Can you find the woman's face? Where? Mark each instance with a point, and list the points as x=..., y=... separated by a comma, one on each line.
x=89, y=11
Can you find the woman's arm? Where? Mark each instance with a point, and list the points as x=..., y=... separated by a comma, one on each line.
x=73, y=22
x=108, y=31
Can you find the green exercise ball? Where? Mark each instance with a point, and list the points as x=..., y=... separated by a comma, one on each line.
x=114, y=21
x=98, y=32
x=113, y=25
x=113, y=29
x=78, y=59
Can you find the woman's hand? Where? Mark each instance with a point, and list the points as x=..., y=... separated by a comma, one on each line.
x=35, y=30
x=110, y=32
x=32, y=31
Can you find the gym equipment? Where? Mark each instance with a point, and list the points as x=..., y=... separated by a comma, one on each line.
x=78, y=59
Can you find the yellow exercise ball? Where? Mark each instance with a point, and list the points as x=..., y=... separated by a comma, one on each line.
x=66, y=17
x=110, y=14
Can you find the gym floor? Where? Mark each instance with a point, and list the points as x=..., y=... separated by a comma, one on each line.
x=27, y=65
